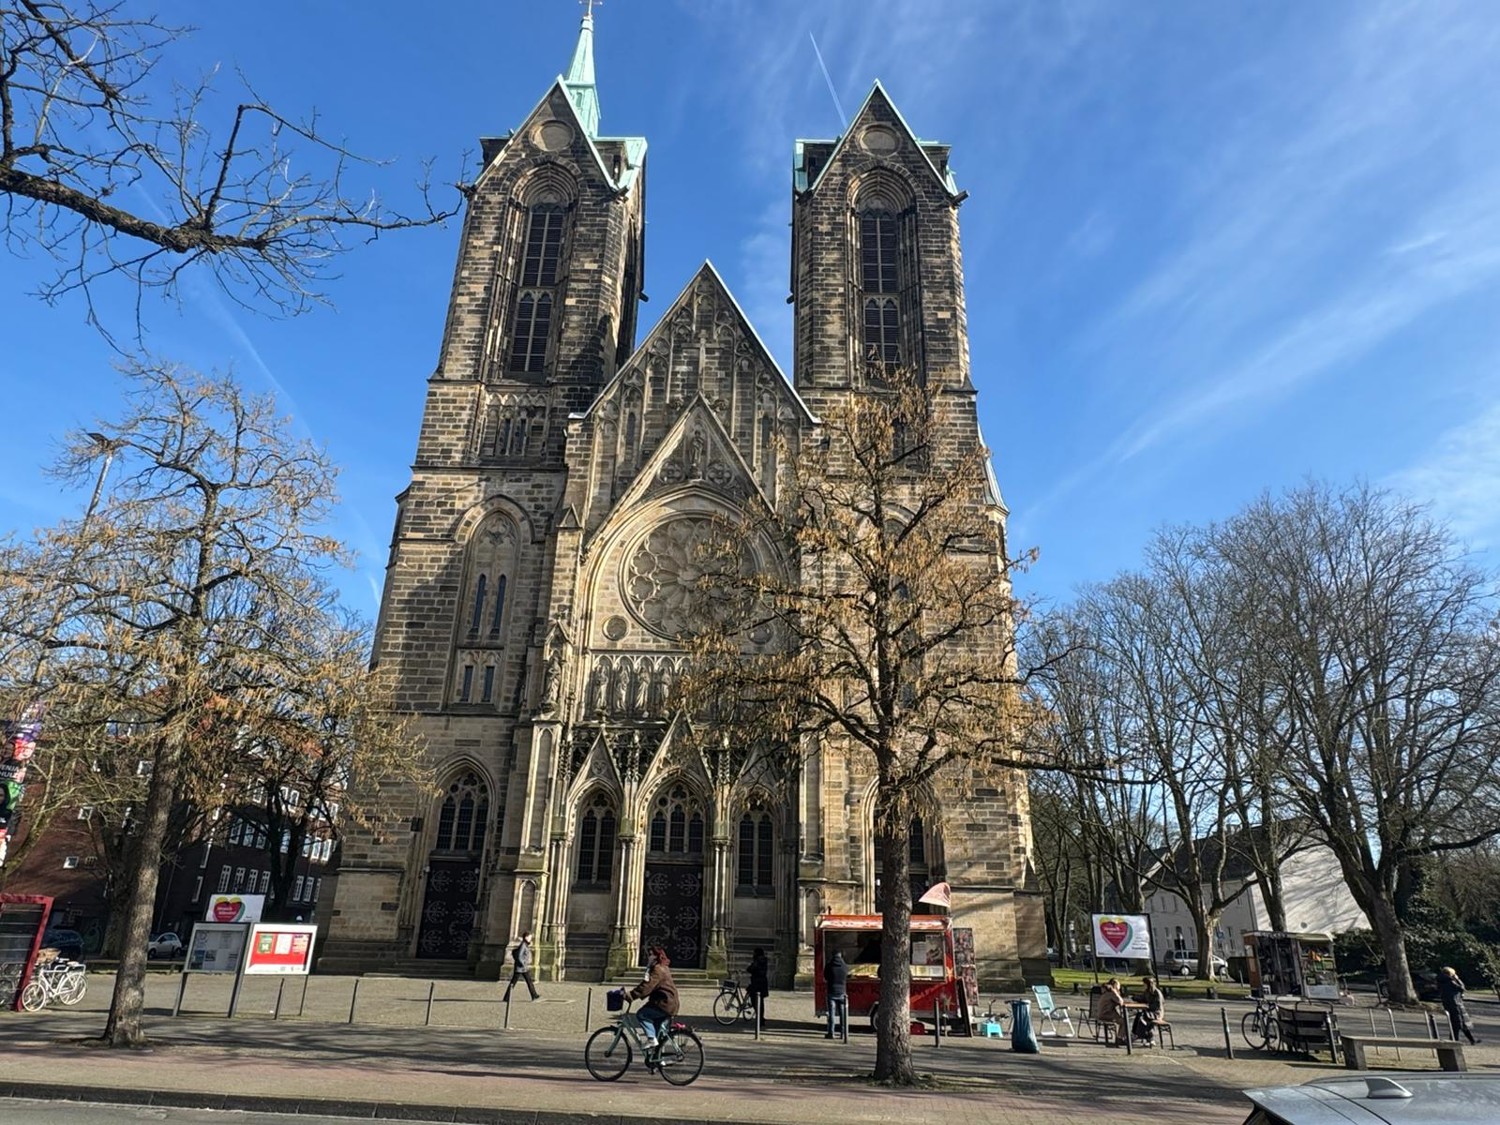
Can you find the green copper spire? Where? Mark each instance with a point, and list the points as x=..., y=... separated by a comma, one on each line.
x=580, y=80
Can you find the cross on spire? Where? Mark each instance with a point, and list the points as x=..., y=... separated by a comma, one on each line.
x=588, y=7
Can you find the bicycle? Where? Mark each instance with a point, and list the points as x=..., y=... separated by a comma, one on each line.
x=1262, y=1027
x=63, y=981
x=677, y=1057
x=733, y=1003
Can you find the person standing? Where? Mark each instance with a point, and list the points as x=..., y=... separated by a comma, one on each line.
x=1451, y=992
x=521, y=970
x=836, y=984
x=760, y=981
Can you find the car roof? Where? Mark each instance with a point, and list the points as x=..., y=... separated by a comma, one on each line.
x=1392, y=1098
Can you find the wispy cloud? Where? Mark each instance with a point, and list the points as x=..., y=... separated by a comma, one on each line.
x=1460, y=477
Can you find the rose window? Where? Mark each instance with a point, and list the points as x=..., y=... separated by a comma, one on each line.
x=674, y=580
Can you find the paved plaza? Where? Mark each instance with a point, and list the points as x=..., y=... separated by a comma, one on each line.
x=460, y=1064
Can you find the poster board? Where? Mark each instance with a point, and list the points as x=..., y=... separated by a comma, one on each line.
x=244, y=909
x=1122, y=935
x=967, y=971
x=216, y=947
x=280, y=948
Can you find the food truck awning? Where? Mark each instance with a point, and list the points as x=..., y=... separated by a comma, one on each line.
x=874, y=921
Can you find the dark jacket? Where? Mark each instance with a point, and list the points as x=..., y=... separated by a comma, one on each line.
x=659, y=990
x=760, y=975
x=1450, y=990
x=836, y=975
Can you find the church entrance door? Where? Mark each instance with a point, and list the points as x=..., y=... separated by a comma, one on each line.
x=448, y=909
x=672, y=913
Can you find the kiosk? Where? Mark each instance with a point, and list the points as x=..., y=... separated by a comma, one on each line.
x=1288, y=964
x=936, y=976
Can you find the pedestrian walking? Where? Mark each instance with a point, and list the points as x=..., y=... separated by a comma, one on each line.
x=521, y=970
x=760, y=981
x=836, y=984
x=1451, y=992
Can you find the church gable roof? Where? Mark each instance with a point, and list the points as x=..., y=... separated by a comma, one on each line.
x=558, y=105
x=813, y=158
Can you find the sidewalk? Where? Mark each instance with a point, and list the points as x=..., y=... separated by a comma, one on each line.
x=474, y=1072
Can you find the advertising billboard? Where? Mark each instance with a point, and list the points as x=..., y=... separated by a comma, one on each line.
x=245, y=909
x=280, y=947
x=1122, y=935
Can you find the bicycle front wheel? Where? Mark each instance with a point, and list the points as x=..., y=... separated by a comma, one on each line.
x=682, y=1058
x=1253, y=1028
x=34, y=997
x=726, y=1008
x=73, y=987
x=607, y=1054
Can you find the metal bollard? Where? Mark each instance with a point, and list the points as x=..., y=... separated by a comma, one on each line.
x=354, y=999
x=844, y=1019
x=1393, y=1031
x=588, y=1010
x=280, y=988
x=181, y=992
x=1333, y=1047
x=937, y=1023
x=756, y=1001
x=1228, y=1042
x=302, y=1003
x=431, y=988
x=506, y=1025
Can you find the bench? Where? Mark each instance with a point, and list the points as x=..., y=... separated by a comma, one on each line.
x=1450, y=1054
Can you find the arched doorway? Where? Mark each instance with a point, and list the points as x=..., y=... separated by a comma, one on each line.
x=672, y=905
x=452, y=892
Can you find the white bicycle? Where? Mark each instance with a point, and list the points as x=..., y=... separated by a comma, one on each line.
x=63, y=981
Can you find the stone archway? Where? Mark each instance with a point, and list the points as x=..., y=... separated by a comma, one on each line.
x=451, y=895
x=672, y=913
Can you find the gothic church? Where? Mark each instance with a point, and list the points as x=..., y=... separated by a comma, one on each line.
x=540, y=572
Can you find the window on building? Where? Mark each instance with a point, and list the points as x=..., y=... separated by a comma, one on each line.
x=297, y=889
x=197, y=888
x=317, y=888
x=224, y=874
x=481, y=588
x=536, y=297
x=204, y=854
x=265, y=881
x=676, y=824
x=487, y=692
x=880, y=286
x=70, y=862
x=596, y=842
x=466, y=684
x=462, y=816
x=85, y=812
x=754, y=864
x=239, y=880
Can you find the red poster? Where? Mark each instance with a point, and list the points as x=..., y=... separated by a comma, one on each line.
x=280, y=949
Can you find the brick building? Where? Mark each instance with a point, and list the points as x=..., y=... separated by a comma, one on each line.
x=540, y=571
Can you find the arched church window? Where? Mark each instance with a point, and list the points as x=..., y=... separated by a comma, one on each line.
x=596, y=842
x=880, y=286
x=479, y=593
x=754, y=866
x=463, y=815
x=536, y=297
x=677, y=825
x=498, y=613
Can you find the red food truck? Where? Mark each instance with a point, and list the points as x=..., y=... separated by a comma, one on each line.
x=934, y=977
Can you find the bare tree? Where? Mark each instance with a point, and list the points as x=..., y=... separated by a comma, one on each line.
x=263, y=201
x=1386, y=654
x=191, y=613
x=888, y=630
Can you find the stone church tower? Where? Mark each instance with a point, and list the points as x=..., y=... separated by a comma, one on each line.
x=540, y=573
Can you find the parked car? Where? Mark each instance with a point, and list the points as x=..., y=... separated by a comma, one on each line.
x=164, y=945
x=1184, y=963
x=68, y=943
x=1380, y=1099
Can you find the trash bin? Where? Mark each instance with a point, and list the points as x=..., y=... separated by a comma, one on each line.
x=1022, y=1037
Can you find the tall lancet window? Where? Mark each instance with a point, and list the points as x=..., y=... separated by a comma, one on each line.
x=880, y=287
x=537, y=295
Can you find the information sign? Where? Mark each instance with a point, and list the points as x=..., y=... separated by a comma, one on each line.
x=216, y=947
x=279, y=947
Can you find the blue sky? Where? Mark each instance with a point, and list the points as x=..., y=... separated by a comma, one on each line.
x=1210, y=248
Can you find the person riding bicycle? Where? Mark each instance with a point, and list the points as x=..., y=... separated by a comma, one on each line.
x=660, y=993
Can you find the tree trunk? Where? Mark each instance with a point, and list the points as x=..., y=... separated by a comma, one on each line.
x=893, y=1061
x=1392, y=937
x=124, y=1026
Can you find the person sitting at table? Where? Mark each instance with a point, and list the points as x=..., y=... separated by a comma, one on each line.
x=1112, y=1010
x=1153, y=1013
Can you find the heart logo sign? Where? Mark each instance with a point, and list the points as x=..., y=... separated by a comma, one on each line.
x=228, y=909
x=1116, y=931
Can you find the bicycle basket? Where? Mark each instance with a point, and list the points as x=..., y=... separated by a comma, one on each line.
x=614, y=1000
x=728, y=984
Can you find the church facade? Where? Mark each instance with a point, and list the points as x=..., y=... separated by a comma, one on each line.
x=541, y=574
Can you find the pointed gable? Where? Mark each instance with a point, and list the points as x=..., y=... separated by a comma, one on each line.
x=555, y=127
x=878, y=134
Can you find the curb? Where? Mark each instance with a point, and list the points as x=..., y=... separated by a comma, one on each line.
x=326, y=1107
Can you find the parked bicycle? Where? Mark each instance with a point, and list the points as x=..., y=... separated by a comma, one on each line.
x=1262, y=1027
x=61, y=980
x=677, y=1056
x=732, y=1003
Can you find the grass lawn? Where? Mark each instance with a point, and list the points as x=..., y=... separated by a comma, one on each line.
x=1064, y=979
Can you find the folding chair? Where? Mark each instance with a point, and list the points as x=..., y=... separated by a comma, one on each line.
x=1051, y=1013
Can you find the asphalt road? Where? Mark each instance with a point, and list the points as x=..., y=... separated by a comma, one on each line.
x=77, y=1113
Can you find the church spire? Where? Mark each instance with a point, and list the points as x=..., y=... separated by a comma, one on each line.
x=580, y=79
